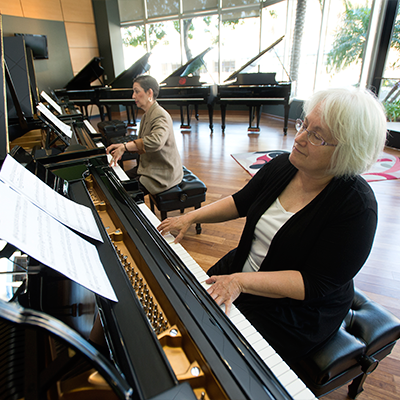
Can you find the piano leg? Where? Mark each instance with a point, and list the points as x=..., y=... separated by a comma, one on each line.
x=211, y=116
x=134, y=115
x=196, y=111
x=254, y=111
x=109, y=114
x=285, y=126
x=223, y=115
x=101, y=111
x=130, y=111
x=188, y=115
x=183, y=125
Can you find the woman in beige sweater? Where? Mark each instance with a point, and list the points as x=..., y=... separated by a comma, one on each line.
x=160, y=166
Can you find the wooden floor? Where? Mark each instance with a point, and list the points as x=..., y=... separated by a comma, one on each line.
x=209, y=157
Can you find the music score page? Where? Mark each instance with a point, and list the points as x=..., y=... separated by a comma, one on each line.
x=44, y=238
x=76, y=216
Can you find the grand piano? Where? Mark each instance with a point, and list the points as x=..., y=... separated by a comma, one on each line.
x=165, y=336
x=183, y=88
x=254, y=90
x=117, y=92
x=23, y=125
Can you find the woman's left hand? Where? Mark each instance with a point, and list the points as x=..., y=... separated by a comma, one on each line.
x=224, y=289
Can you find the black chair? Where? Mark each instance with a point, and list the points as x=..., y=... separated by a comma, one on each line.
x=368, y=334
x=191, y=192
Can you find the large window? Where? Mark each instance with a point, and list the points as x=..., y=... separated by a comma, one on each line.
x=239, y=44
x=391, y=73
x=323, y=41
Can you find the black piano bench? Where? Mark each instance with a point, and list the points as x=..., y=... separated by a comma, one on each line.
x=191, y=192
x=368, y=334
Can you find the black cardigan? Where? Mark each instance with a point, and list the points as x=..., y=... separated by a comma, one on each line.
x=328, y=241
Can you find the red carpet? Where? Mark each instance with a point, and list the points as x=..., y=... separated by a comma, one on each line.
x=387, y=167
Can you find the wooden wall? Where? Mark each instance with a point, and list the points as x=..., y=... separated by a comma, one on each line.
x=78, y=19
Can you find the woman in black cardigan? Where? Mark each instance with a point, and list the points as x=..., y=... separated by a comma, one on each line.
x=310, y=225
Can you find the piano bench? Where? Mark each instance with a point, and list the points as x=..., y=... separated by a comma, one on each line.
x=368, y=334
x=191, y=192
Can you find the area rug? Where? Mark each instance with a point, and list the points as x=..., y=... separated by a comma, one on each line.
x=387, y=166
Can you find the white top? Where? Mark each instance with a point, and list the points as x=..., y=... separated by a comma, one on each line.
x=266, y=228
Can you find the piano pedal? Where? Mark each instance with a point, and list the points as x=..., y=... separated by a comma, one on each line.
x=186, y=127
x=253, y=129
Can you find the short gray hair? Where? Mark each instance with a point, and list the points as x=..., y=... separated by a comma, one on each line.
x=357, y=121
x=148, y=82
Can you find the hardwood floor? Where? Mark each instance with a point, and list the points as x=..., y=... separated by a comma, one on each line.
x=209, y=157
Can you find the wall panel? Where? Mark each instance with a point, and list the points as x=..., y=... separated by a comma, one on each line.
x=80, y=57
x=81, y=35
x=77, y=11
x=11, y=7
x=42, y=9
x=73, y=45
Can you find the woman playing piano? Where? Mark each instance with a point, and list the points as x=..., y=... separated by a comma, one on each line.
x=159, y=167
x=310, y=225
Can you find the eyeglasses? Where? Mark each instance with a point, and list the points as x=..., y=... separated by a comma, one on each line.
x=312, y=137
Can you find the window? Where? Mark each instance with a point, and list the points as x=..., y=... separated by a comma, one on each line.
x=323, y=40
x=239, y=43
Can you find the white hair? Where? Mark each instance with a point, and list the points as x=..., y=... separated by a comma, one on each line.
x=357, y=121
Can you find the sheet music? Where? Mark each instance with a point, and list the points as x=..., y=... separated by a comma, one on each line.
x=64, y=128
x=74, y=215
x=36, y=233
x=45, y=96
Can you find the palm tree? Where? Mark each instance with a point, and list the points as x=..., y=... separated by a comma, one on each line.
x=350, y=38
x=297, y=37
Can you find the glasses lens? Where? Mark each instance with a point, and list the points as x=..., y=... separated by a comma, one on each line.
x=299, y=125
x=315, y=140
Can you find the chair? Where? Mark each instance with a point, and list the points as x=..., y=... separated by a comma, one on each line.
x=191, y=192
x=368, y=334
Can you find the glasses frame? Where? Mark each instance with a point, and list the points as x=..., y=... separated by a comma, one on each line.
x=300, y=127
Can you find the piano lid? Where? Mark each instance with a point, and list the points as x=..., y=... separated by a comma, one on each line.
x=88, y=74
x=185, y=70
x=236, y=73
x=124, y=79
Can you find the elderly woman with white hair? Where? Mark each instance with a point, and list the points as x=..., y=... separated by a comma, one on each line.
x=310, y=225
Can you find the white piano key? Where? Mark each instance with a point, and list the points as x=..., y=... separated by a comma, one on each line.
x=260, y=345
x=266, y=353
x=305, y=394
x=273, y=360
x=280, y=369
x=295, y=387
x=118, y=170
x=287, y=378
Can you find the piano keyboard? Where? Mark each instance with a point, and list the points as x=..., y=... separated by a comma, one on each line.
x=289, y=380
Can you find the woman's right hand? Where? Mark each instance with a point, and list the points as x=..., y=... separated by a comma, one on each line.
x=116, y=150
x=180, y=224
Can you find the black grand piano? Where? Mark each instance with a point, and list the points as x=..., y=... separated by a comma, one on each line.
x=165, y=338
x=183, y=88
x=23, y=125
x=254, y=90
x=117, y=92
